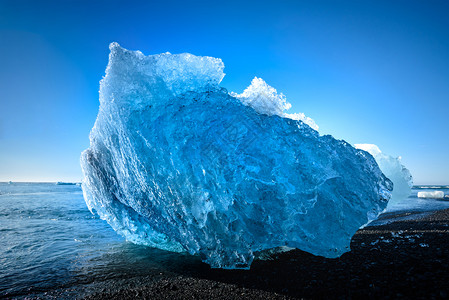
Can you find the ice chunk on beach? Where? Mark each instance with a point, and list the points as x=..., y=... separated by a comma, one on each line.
x=433, y=194
x=394, y=170
x=178, y=163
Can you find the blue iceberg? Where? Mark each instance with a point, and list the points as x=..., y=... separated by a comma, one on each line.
x=178, y=163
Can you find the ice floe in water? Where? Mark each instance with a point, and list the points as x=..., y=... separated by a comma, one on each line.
x=433, y=194
x=178, y=163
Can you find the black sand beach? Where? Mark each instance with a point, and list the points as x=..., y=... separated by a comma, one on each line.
x=404, y=259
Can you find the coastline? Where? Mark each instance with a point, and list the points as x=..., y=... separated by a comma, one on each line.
x=406, y=258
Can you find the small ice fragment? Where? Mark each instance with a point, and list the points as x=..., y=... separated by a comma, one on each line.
x=396, y=234
x=434, y=194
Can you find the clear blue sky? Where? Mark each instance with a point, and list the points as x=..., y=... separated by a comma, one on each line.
x=365, y=71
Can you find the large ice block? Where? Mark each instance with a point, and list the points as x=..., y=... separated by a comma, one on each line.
x=177, y=162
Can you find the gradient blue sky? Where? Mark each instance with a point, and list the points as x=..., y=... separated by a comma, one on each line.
x=365, y=71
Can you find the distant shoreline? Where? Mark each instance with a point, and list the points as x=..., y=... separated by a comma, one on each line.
x=37, y=182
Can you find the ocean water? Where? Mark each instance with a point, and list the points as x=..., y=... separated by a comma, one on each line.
x=415, y=204
x=49, y=240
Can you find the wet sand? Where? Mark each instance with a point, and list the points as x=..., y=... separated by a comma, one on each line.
x=404, y=259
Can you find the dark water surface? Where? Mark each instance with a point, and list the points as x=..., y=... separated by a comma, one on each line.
x=49, y=240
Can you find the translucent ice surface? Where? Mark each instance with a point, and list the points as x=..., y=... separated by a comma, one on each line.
x=394, y=170
x=178, y=163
